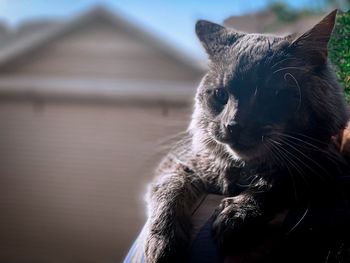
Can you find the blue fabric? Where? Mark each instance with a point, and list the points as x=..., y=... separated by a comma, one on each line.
x=202, y=250
x=131, y=252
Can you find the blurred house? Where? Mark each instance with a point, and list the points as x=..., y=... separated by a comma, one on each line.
x=85, y=105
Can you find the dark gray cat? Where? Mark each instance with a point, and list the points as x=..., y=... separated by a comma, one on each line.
x=264, y=115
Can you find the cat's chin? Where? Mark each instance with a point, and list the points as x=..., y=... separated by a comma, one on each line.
x=233, y=154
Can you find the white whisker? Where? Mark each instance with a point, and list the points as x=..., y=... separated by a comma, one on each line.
x=300, y=220
x=285, y=68
x=282, y=160
x=293, y=147
x=296, y=82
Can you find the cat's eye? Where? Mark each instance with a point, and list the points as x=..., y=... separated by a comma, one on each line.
x=221, y=95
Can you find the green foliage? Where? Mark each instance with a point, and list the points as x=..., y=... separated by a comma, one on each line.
x=287, y=14
x=339, y=50
x=284, y=12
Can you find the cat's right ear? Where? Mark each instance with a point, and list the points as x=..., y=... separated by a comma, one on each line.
x=213, y=37
x=313, y=44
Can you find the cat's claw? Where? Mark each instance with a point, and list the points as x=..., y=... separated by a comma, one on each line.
x=232, y=220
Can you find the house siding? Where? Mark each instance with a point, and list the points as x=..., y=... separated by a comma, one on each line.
x=73, y=177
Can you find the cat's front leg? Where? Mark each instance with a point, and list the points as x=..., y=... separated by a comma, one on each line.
x=239, y=219
x=235, y=220
x=169, y=245
x=170, y=201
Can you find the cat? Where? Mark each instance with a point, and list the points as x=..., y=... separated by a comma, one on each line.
x=264, y=115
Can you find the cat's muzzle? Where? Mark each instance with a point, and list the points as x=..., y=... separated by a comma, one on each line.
x=240, y=138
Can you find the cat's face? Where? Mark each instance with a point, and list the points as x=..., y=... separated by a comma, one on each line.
x=259, y=88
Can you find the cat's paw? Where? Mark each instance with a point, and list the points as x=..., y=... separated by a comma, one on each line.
x=234, y=221
x=162, y=249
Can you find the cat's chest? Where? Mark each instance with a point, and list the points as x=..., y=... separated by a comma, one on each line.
x=234, y=180
x=238, y=179
x=228, y=180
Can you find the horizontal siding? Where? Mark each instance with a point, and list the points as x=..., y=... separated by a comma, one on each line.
x=73, y=177
x=98, y=90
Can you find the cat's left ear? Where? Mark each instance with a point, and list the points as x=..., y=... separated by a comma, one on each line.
x=313, y=43
x=214, y=37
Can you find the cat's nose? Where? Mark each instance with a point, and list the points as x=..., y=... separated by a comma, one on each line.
x=233, y=130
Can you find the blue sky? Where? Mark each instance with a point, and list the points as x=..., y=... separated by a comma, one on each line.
x=171, y=20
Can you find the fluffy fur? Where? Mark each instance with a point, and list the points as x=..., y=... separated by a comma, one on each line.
x=260, y=134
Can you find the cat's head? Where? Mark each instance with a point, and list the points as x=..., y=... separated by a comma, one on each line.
x=260, y=88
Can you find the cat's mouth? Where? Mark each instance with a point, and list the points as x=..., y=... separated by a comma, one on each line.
x=246, y=145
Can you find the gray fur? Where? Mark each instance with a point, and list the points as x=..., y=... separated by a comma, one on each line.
x=248, y=67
